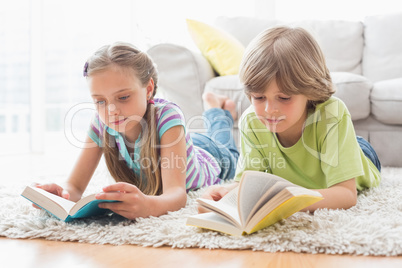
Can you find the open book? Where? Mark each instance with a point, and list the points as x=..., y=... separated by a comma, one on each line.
x=261, y=199
x=64, y=209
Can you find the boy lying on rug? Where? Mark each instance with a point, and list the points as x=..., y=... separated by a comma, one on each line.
x=147, y=148
x=295, y=128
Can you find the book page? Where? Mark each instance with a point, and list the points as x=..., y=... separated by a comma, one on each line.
x=56, y=205
x=225, y=209
x=289, y=201
x=64, y=203
x=231, y=198
x=301, y=198
x=273, y=191
x=253, y=186
x=213, y=221
x=80, y=203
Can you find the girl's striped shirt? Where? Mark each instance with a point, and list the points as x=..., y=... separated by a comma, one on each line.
x=202, y=167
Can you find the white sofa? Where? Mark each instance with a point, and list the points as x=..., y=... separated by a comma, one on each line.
x=365, y=60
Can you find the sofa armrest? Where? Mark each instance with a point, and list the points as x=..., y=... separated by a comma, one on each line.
x=182, y=78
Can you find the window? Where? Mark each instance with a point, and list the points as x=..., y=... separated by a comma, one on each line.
x=71, y=32
x=14, y=76
x=45, y=43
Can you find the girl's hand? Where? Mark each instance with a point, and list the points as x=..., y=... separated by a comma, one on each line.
x=133, y=203
x=54, y=189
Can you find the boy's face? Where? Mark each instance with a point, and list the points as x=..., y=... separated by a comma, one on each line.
x=280, y=113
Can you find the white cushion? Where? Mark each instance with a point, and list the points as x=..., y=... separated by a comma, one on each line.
x=182, y=77
x=386, y=99
x=382, y=58
x=354, y=91
x=244, y=29
x=340, y=41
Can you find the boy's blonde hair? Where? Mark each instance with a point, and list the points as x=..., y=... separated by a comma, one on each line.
x=131, y=61
x=292, y=57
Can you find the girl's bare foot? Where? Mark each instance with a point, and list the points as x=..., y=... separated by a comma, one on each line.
x=212, y=100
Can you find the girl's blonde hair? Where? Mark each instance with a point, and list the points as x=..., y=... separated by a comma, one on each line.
x=293, y=58
x=132, y=61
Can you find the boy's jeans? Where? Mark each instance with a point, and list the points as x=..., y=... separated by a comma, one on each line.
x=369, y=152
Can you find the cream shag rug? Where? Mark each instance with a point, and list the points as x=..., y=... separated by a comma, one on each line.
x=372, y=227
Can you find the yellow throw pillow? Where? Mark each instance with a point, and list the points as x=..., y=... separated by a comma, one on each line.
x=222, y=50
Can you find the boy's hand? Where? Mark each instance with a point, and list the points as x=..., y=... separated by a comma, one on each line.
x=214, y=192
x=54, y=189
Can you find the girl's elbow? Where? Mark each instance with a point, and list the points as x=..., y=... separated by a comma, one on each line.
x=182, y=199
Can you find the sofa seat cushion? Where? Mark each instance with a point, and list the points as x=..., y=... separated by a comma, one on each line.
x=386, y=99
x=354, y=90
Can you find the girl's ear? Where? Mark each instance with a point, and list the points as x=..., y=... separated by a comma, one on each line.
x=150, y=87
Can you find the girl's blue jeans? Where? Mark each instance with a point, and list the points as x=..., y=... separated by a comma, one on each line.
x=369, y=152
x=219, y=141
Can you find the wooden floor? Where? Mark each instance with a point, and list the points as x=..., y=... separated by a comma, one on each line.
x=38, y=253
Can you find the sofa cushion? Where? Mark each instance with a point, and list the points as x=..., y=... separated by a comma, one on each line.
x=354, y=90
x=182, y=77
x=244, y=29
x=222, y=50
x=340, y=41
x=382, y=58
x=386, y=99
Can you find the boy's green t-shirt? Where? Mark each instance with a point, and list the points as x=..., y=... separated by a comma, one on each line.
x=327, y=153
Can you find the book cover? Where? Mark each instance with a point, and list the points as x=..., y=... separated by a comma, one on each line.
x=63, y=209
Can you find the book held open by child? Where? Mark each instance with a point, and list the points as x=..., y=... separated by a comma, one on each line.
x=62, y=208
x=260, y=200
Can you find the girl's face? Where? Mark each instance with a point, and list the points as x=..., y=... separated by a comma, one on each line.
x=120, y=99
x=281, y=113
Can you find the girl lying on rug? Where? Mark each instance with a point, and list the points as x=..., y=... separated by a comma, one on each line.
x=295, y=128
x=144, y=140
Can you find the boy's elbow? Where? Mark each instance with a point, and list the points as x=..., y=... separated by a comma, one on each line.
x=353, y=203
x=348, y=193
x=353, y=198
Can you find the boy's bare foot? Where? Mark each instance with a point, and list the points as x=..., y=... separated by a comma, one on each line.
x=212, y=100
x=231, y=107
